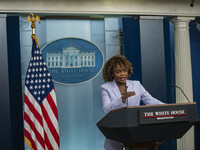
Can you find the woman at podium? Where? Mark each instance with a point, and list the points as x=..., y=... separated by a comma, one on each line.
x=120, y=92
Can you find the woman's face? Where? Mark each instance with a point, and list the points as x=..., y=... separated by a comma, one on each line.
x=120, y=74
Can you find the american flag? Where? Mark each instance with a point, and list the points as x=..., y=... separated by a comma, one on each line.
x=41, y=128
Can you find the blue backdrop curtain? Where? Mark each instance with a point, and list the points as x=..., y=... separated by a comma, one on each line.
x=195, y=55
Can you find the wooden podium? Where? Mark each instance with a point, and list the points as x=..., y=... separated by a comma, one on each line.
x=147, y=126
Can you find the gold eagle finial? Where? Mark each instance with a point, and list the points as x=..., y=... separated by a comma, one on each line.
x=33, y=18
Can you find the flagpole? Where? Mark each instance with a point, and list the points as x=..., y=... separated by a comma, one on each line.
x=31, y=17
x=41, y=128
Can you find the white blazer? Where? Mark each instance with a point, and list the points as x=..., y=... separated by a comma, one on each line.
x=111, y=99
x=111, y=96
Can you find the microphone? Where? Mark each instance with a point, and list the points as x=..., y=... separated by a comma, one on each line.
x=181, y=91
x=126, y=95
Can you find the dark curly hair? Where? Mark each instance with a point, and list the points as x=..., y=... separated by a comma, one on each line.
x=112, y=62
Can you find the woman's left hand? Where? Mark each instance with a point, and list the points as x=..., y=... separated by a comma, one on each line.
x=129, y=94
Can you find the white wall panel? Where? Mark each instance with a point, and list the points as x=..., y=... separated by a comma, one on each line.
x=142, y=7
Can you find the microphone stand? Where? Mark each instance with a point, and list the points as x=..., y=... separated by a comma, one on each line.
x=181, y=91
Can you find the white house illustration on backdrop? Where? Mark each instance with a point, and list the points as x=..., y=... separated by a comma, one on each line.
x=70, y=57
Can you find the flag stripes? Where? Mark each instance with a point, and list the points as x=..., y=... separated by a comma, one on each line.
x=28, y=139
x=36, y=113
x=53, y=103
x=47, y=143
x=49, y=124
x=34, y=134
x=49, y=137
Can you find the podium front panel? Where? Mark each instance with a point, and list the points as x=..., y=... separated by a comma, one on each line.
x=125, y=125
